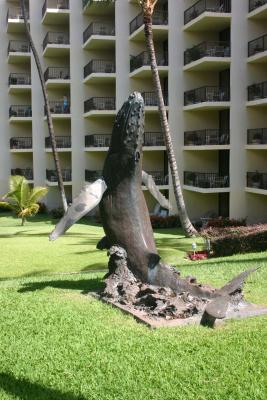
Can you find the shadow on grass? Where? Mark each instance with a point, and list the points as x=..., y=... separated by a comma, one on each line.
x=23, y=389
x=84, y=285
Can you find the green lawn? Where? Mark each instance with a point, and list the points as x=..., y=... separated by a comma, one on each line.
x=56, y=342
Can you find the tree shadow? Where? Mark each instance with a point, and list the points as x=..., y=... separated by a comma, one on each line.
x=84, y=286
x=23, y=389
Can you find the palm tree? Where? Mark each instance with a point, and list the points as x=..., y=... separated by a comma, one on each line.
x=47, y=108
x=22, y=199
x=148, y=8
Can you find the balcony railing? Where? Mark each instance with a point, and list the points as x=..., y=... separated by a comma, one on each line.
x=19, y=79
x=206, y=94
x=91, y=176
x=100, y=103
x=207, y=137
x=99, y=28
x=257, y=136
x=151, y=99
x=16, y=13
x=18, y=46
x=143, y=59
x=56, y=4
x=90, y=2
x=51, y=175
x=98, y=140
x=57, y=73
x=206, y=180
x=26, y=172
x=59, y=107
x=21, y=143
x=20, y=111
x=257, y=45
x=62, y=142
x=257, y=91
x=218, y=6
x=253, y=4
x=153, y=139
x=160, y=17
x=257, y=180
x=99, y=66
x=160, y=177
x=207, y=49
x=60, y=38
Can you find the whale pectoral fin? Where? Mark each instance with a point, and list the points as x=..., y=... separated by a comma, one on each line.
x=86, y=201
x=149, y=182
x=216, y=309
x=236, y=283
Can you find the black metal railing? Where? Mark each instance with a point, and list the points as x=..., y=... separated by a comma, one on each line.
x=257, y=91
x=257, y=45
x=205, y=180
x=206, y=93
x=100, y=103
x=51, y=175
x=207, y=137
x=207, y=49
x=19, y=79
x=98, y=140
x=160, y=17
x=62, y=142
x=217, y=6
x=56, y=4
x=257, y=136
x=57, y=73
x=99, y=28
x=56, y=38
x=99, y=66
x=20, y=111
x=18, y=46
x=151, y=99
x=253, y=4
x=91, y=176
x=153, y=139
x=26, y=172
x=16, y=13
x=59, y=107
x=143, y=59
x=160, y=177
x=257, y=180
x=21, y=143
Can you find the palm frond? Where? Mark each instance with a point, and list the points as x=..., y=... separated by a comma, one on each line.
x=37, y=193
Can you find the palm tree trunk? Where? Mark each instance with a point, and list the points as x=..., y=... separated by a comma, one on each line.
x=185, y=221
x=47, y=108
x=23, y=219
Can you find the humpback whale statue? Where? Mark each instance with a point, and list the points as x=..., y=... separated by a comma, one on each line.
x=126, y=221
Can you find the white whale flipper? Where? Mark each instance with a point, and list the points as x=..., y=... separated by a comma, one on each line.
x=149, y=182
x=86, y=201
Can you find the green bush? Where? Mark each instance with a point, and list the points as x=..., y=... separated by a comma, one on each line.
x=159, y=222
x=4, y=207
x=56, y=213
x=226, y=222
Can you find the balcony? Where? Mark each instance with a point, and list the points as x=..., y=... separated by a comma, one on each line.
x=208, y=15
x=20, y=113
x=98, y=142
x=159, y=26
x=208, y=56
x=207, y=98
x=100, y=106
x=207, y=139
x=91, y=176
x=153, y=141
x=55, y=12
x=18, y=51
x=59, y=109
x=63, y=143
x=257, y=182
x=257, y=50
x=140, y=65
x=206, y=182
x=56, y=44
x=257, y=139
x=99, y=35
x=19, y=83
x=52, y=180
x=26, y=172
x=160, y=178
x=21, y=144
x=99, y=71
x=15, y=21
x=151, y=101
x=98, y=7
x=257, y=9
x=57, y=77
x=257, y=95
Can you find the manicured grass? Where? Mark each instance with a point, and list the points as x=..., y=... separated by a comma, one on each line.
x=58, y=343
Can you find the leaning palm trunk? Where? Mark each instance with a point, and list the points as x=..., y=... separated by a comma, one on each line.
x=148, y=7
x=47, y=108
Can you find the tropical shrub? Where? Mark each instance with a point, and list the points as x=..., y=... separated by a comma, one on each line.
x=158, y=222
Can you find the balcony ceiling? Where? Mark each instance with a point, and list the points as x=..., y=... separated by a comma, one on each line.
x=259, y=58
x=209, y=21
x=145, y=72
x=56, y=50
x=100, y=42
x=19, y=58
x=259, y=13
x=209, y=64
x=54, y=16
x=17, y=89
x=15, y=26
x=160, y=32
x=98, y=77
